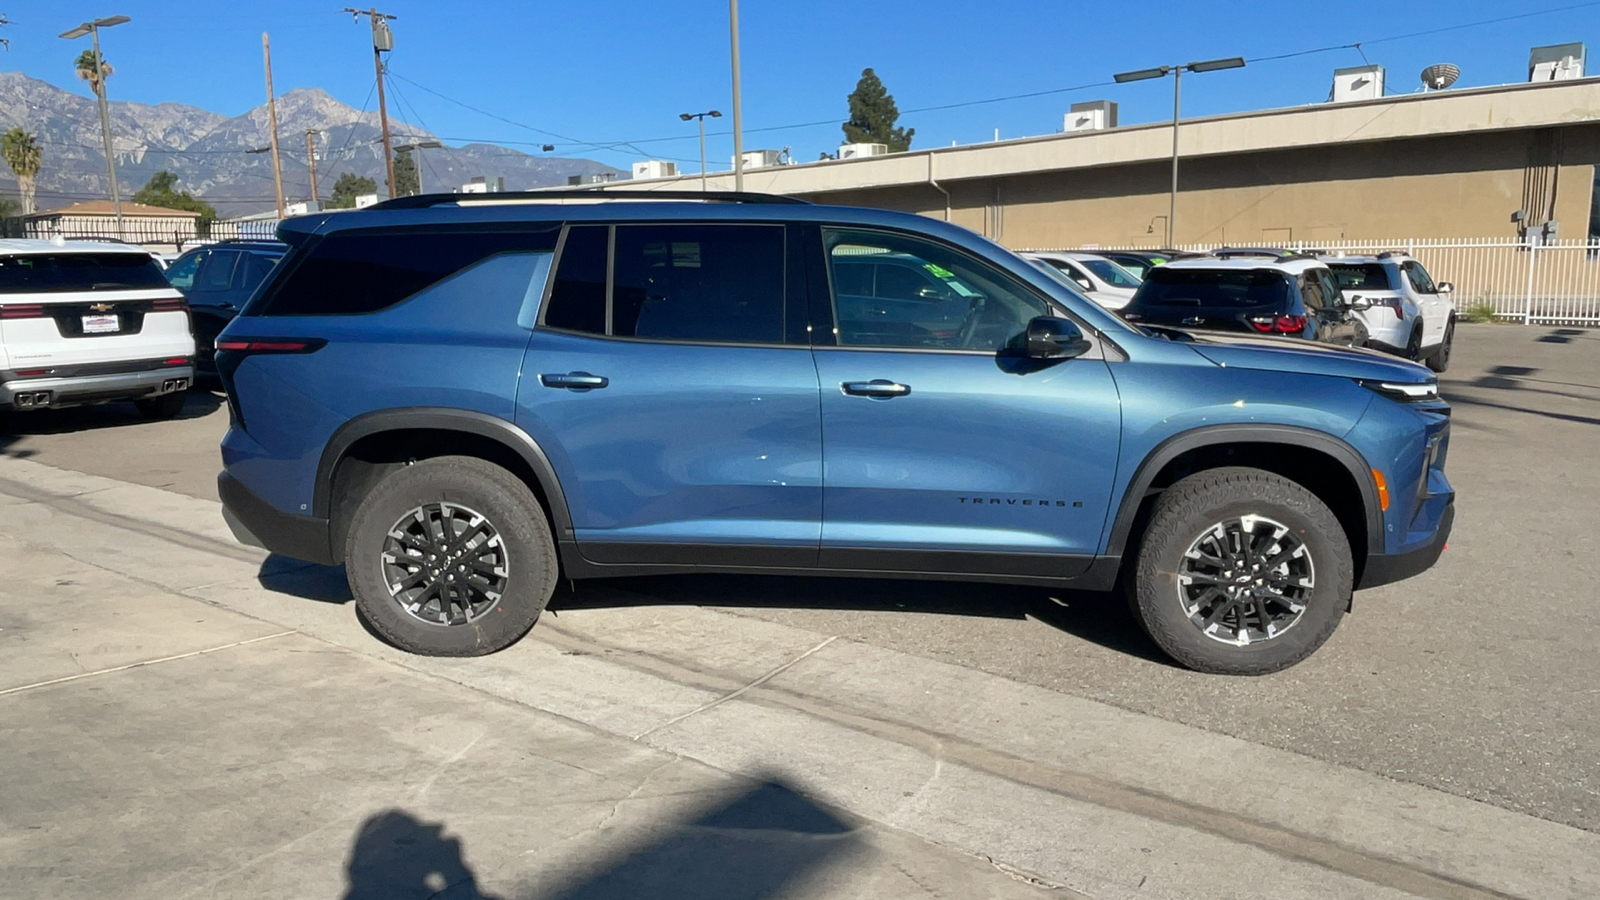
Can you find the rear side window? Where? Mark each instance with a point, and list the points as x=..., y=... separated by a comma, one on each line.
x=1167, y=286
x=578, y=298
x=715, y=283
x=65, y=272
x=347, y=273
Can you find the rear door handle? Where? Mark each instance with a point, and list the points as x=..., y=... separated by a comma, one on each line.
x=574, y=381
x=878, y=388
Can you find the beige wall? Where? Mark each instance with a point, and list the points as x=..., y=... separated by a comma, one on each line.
x=1460, y=186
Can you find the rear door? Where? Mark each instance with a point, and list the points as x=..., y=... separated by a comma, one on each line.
x=671, y=383
x=65, y=308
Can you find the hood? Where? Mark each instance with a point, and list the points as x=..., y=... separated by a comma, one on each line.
x=1275, y=354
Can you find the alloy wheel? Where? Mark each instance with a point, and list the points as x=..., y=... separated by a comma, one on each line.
x=1245, y=580
x=445, y=564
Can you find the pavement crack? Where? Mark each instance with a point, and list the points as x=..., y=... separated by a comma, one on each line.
x=735, y=693
x=148, y=662
x=427, y=785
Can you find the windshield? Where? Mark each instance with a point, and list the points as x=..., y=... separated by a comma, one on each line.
x=1167, y=286
x=66, y=272
x=1369, y=276
x=1111, y=273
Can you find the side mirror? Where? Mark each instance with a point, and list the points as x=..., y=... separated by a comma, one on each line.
x=1357, y=303
x=1050, y=337
x=1446, y=287
x=929, y=293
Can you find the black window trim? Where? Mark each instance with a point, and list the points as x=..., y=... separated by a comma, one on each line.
x=789, y=341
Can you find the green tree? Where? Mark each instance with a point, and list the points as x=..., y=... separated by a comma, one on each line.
x=96, y=75
x=8, y=207
x=22, y=154
x=162, y=190
x=348, y=188
x=873, y=114
x=406, y=181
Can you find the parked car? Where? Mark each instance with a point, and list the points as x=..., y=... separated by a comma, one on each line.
x=1285, y=296
x=162, y=259
x=893, y=294
x=1100, y=279
x=465, y=404
x=1140, y=262
x=1404, y=311
x=90, y=322
x=217, y=279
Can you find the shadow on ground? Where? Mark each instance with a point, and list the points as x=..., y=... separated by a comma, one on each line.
x=17, y=426
x=761, y=843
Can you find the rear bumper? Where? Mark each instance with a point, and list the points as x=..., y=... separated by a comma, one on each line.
x=258, y=523
x=46, y=392
x=1389, y=568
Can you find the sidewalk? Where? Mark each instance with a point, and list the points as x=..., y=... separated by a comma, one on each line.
x=184, y=718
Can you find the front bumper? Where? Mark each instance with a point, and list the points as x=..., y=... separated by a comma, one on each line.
x=258, y=523
x=53, y=392
x=1389, y=568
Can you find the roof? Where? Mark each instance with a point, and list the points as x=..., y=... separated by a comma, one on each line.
x=15, y=246
x=107, y=208
x=1295, y=265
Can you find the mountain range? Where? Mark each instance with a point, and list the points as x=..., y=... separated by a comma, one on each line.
x=209, y=152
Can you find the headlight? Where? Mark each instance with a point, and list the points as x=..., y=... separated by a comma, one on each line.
x=1405, y=392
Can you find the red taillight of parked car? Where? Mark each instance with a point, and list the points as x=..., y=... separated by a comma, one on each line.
x=1278, y=324
x=169, y=304
x=22, y=311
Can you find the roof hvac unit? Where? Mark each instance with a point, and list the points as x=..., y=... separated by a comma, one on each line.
x=854, y=151
x=761, y=159
x=1358, y=83
x=596, y=178
x=1557, y=62
x=1094, y=115
x=482, y=185
x=655, y=168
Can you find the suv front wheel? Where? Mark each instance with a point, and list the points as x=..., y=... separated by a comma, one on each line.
x=1241, y=572
x=451, y=556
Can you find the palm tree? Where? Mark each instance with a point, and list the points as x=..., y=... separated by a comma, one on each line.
x=95, y=75
x=22, y=154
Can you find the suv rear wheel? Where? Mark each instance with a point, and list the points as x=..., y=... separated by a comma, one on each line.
x=1440, y=360
x=1242, y=572
x=451, y=556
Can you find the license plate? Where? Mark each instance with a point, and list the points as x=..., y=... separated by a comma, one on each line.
x=100, y=324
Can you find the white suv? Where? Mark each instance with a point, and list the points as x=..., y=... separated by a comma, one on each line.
x=1405, y=312
x=90, y=323
x=1096, y=277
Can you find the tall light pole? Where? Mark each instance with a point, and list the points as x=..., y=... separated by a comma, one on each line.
x=93, y=28
x=417, y=163
x=1209, y=65
x=738, y=118
x=701, y=117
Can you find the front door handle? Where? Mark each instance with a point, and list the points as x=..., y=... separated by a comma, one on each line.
x=877, y=388
x=574, y=381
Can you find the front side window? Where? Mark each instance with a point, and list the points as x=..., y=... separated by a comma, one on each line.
x=71, y=272
x=1420, y=281
x=181, y=273
x=216, y=272
x=1111, y=273
x=958, y=303
x=1312, y=291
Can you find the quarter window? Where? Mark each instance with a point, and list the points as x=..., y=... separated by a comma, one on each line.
x=578, y=298
x=958, y=304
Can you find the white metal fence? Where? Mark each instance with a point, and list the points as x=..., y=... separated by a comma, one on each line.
x=1556, y=283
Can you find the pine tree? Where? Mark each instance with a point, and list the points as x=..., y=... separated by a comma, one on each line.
x=406, y=181
x=348, y=188
x=162, y=190
x=873, y=114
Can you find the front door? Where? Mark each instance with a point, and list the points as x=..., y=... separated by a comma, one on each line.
x=678, y=411
x=1434, y=310
x=943, y=448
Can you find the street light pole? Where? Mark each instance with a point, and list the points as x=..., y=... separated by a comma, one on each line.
x=1209, y=65
x=738, y=118
x=702, y=120
x=416, y=162
x=92, y=28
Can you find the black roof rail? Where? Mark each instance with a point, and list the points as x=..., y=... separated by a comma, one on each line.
x=1391, y=254
x=1267, y=252
x=427, y=201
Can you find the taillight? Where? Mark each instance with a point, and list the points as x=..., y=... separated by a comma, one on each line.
x=169, y=304
x=176, y=361
x=22, y=311
x=273, y=345
x=1278, y=324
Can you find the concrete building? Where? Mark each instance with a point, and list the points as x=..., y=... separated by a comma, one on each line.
x=1436, y=165
x=98, y=218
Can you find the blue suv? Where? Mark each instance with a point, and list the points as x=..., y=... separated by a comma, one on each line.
x=464, y=401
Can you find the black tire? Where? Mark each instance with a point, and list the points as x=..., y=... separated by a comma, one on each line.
x=165, y=406
x=1414, y=344
x=495, y=602
x=1187, y=515
x=1439, y=361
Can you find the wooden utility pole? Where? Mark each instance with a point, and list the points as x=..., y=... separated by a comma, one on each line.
x=311, y=157
x=272, y=123
x=382, y=40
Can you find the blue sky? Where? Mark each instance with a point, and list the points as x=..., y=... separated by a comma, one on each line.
x=579, y=75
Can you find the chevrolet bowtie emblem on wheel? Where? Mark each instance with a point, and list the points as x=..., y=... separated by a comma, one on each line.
x=102, y=307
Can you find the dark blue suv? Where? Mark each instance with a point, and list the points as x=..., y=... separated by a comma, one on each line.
x=464, y=401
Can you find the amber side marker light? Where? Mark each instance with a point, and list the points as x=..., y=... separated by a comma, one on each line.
x=1383, y=490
